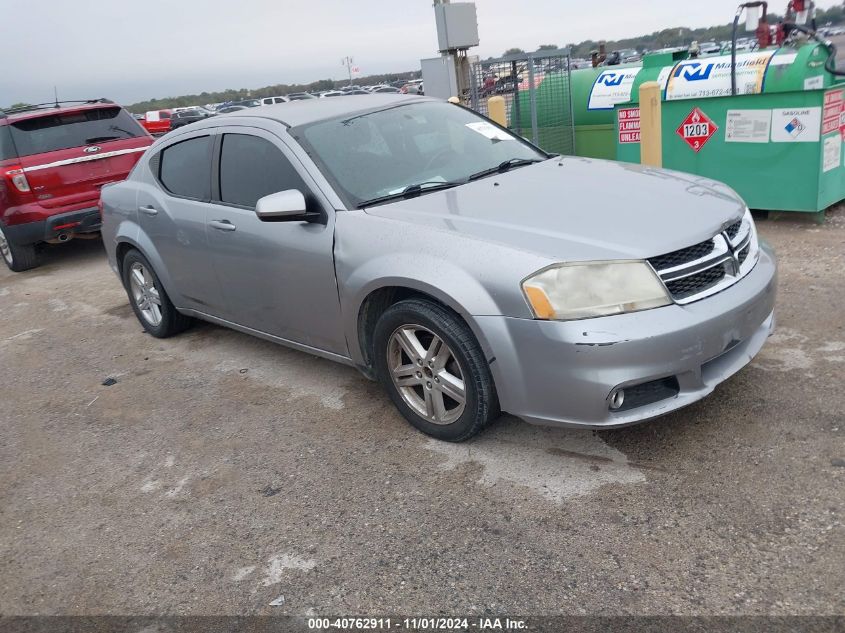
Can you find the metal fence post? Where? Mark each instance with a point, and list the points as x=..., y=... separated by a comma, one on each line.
x=473, y=88
x=532, y=97
x=571, y=104
x=517, y=118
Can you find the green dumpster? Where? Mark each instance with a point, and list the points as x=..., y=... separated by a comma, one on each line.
x=777, y=142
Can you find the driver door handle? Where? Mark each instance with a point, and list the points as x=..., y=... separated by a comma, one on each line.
x=222, y=225
x=148, y=210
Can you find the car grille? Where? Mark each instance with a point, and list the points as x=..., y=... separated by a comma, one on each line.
x=688, y=286
x=733, y=229
x=683, y=256
x=708, y=267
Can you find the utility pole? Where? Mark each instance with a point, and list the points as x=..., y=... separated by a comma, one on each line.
x=348, y=62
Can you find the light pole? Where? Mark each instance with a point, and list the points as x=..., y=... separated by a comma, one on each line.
x=348, y=62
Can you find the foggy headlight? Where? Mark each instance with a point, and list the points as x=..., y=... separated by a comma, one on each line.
x=592, y=289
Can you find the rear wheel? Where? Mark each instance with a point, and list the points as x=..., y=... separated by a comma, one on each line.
x=149, y=301
x=434, y=370
x=18, y=257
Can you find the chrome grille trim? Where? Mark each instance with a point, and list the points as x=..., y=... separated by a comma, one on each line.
x=734, y=255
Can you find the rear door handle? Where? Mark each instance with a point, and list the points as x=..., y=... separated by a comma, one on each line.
x=222, y=225
x=148, y=210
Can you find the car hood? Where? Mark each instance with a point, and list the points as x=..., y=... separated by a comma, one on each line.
x=578, y=209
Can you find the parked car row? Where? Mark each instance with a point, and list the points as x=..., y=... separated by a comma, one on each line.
x=158, y=122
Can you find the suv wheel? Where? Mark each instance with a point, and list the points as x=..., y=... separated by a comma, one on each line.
x=18, y=257
x=149, y=301
x=432, y=367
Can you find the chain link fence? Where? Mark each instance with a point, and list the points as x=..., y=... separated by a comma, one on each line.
x=538, y=96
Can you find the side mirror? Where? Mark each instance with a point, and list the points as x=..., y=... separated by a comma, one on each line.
x=284, y=206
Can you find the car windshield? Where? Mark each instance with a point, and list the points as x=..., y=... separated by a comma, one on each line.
x=73, y=129
x=382, y=153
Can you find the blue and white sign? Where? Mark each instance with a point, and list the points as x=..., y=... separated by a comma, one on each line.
x=711, y=76
x=612, y=87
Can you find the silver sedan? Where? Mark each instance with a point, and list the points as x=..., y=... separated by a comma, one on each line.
x=466, y=270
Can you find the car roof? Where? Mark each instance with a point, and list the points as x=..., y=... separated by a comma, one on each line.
x=35, y=112
x=297, y=113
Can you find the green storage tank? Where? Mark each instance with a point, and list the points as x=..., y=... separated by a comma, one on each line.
x=777, y=142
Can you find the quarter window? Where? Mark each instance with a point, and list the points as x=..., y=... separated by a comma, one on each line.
x=251, y=168
x=186, y=168
x=7, y=148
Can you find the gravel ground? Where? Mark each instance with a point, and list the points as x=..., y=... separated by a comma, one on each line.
x=221, y=472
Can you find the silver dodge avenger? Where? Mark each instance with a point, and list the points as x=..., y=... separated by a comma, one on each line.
x=466, y=270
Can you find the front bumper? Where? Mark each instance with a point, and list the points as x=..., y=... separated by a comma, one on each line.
x=562, y=373
x=81, y=221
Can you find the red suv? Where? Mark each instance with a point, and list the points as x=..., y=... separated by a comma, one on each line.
x=54, y=158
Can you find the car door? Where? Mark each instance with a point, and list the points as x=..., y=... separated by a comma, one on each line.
x=275, y=277
x=171, y=208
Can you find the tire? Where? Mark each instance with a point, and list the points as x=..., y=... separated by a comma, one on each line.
x=18, y=257
x=149, y=300
x=428, y=394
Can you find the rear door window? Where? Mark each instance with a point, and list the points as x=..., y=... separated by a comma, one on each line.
x=7, y=148
x=73, y=129
x=251, y=168
x=185, y=168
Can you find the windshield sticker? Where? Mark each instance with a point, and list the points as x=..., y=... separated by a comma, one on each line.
x=711, y=76
x=490, y=131
x=612, y=87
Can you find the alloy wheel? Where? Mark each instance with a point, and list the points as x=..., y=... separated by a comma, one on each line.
x=145, y=294
x=426, y=374
x=5, y=249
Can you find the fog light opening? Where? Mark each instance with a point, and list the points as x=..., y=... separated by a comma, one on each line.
x=617, y=399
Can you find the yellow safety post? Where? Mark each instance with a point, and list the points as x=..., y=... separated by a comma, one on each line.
x=651, y=134
x=496, y=110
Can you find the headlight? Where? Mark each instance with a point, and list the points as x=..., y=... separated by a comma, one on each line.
x=592, y=289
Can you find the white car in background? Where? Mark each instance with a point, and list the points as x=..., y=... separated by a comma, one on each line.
x=272, y=100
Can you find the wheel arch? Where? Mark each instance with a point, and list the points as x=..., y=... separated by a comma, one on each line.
x=144, y=246
x=380, y=297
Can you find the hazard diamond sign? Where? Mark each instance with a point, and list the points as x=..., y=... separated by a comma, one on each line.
x=697, y=129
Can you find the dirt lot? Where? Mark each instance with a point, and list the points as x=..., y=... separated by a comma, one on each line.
x=222, y=472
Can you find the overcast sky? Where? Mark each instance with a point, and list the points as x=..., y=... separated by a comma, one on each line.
x=130, y=50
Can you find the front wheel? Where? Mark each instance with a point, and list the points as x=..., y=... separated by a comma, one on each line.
x=434, y=370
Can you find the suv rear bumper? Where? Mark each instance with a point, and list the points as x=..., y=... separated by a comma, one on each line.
x=81, y=221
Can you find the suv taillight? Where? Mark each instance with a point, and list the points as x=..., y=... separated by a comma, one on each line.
x=18, y=179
